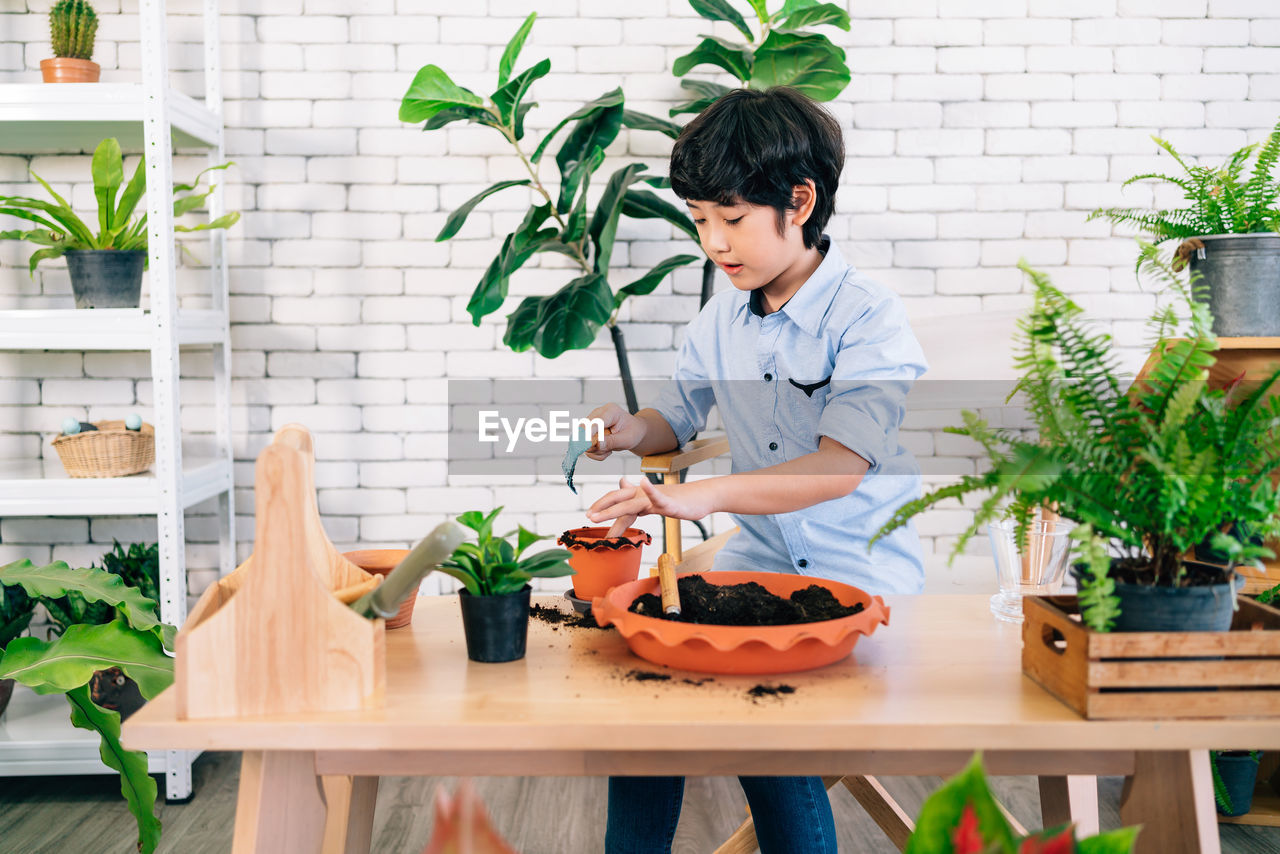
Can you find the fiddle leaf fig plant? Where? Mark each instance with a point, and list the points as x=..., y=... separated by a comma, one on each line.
x=134, y=640
x=784, y=54
x=492, y=565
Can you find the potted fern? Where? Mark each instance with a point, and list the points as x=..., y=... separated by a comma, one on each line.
x=495, y=585
x=72, y=27
x=106, y=266
x=1226, y=232
x=1147, y=473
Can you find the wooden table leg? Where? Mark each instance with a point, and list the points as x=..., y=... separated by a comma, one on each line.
x=1171, y=795
x=1073, y=798
x=280, y=809
x=348, y=826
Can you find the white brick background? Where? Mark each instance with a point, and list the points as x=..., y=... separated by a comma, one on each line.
x=979, y=132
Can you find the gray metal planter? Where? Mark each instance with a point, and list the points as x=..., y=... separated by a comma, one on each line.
x=1242, y=272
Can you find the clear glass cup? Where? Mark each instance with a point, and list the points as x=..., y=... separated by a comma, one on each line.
x=1036, y=572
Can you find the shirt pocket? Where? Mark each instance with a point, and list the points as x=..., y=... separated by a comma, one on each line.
x=804, y=398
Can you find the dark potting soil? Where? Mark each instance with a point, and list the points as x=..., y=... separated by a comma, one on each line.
x=1138, y=571
x=770, y=691
x=554, y=617
x=748, y=604
x=647, y=676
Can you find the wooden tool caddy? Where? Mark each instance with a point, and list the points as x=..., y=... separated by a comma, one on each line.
x=1123, y=675
x=271, y=637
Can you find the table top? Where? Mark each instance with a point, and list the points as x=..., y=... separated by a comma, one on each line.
x=943, y=675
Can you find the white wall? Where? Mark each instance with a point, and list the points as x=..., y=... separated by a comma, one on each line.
x=979, y=132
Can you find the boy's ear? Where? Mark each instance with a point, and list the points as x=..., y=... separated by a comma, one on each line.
x=803, y=197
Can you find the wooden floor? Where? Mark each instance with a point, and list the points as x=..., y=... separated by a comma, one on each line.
x=538, y=815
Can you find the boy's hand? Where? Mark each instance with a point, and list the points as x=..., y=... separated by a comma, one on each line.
x=625, y=431
x=675, y=500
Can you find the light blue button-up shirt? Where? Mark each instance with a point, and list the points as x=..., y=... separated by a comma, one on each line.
x=837, y=360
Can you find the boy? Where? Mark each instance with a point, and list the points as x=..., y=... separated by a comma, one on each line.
x=809, y=363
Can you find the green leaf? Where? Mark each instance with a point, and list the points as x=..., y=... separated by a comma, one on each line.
x=107, y=168
x=758, y=6
x=817, y=15
x=808, y=62
x=137, y=786
x=705, y=93
x=517, y=248
x=224, y=221
x=50, y=667
x=571, y=317
x=604, y=223
x=79, y=235
x=578, y=177
x=1112, y=842
x=642, y=204
x=522, y=324
x=512, y=51
x=941, y=812
x=720, y=10
x=577, y=157
x=606, y=101
x=526, y=538
x=432, y=91
x=733, y=58
x=129, y=198
x=644, y=121
x=650, y=280
x=56, y=579
x=469, y=579
x=44, y=255
x=508, y=98
x=458, y=217
x=480, y=115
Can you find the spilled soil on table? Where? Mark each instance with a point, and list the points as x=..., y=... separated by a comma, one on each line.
x=556, y=618
x=748, y=604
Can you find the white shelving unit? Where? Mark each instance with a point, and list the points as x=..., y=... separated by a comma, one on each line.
x=36, y=736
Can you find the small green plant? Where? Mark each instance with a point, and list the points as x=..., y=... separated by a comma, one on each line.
x=72, y=27
x=60, y=229
x=134, y=640
x=492, y=566
x=1149, y=472
x=138, y=565
x=783, y=55
x=1219, y=201
x=1266, y=597
x=963, y=817
x=1220, y=793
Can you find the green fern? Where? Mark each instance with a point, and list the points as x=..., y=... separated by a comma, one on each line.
x=1219, y=201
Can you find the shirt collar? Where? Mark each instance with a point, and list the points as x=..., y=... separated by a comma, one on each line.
x=809, y=304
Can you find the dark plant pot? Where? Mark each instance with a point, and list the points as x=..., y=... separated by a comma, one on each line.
x=1144, y=608
x=496, y=627
x=1239, y=773
x=1242, y=273
x=1208, y=554
x=6, y=692
x=106, y=278
x=111, y=689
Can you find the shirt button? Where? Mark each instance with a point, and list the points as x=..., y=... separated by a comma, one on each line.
x=768, y=378
x=802, y=563
x=773, y=446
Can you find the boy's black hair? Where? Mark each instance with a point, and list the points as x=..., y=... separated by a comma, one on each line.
x=755, y=146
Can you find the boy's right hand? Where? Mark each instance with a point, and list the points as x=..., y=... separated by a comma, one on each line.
x=624, y=431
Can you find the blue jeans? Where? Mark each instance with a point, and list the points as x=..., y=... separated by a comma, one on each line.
x=792, y=814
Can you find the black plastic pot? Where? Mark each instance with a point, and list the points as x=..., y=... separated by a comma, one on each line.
x=106, y=278
x=6, y=691
x=1145, y=608
x=1238, y=772
x=1242, y=274
x=496, y=627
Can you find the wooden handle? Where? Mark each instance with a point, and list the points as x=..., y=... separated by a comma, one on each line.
x=667, y=578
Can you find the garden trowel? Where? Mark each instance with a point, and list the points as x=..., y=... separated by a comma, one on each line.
x=402, y=582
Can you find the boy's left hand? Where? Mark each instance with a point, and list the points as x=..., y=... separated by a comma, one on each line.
x=674, y=500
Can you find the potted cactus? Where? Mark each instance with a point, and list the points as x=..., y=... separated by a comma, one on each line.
x=72, y=27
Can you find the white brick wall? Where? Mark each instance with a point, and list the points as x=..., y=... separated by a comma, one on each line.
x=979, y=132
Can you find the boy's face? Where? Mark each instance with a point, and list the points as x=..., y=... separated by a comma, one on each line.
x=743, y=240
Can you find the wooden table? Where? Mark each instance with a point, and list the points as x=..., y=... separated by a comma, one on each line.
x=918, y=697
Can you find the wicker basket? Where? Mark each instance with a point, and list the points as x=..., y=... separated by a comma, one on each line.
x=109, y=451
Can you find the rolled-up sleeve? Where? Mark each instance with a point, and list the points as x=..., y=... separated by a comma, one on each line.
x=877, y=361
x=687, y=399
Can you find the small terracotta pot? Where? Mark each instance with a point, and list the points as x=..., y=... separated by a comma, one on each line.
x=601, y=563
x=64, y=69
x=381, y=562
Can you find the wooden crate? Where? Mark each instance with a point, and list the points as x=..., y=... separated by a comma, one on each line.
x=1120, y=675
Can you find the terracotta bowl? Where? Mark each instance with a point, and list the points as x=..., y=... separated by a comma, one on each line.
x=742, y=649
x=381, y=562
x=599, y=562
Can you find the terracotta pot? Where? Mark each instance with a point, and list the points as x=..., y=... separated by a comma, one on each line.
x=63, y=69
x=742, y=649
x=599, y=562
x=381, y=562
